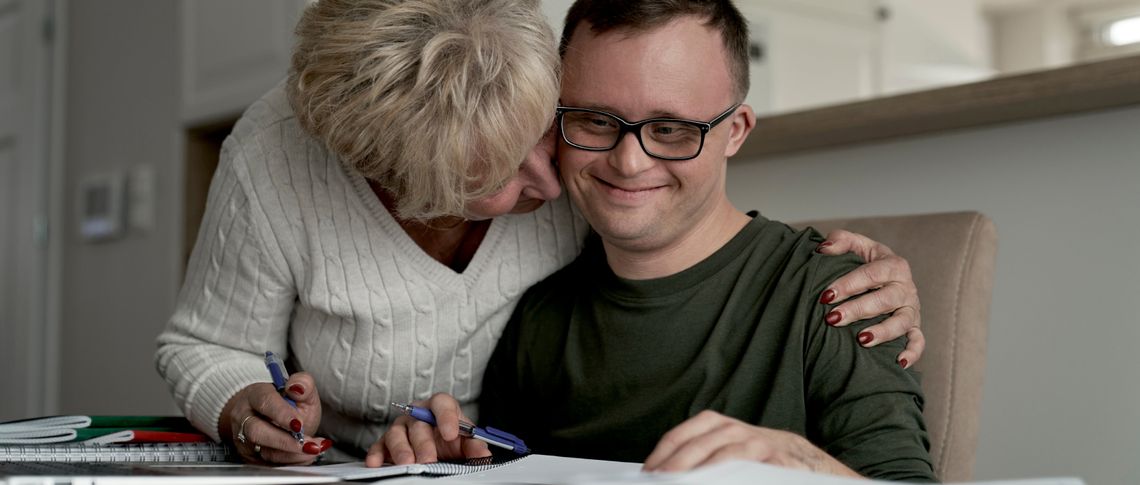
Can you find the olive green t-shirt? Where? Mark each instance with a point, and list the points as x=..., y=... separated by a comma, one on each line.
x=593, y=365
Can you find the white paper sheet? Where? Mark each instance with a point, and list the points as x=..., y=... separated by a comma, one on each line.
x=551, y=470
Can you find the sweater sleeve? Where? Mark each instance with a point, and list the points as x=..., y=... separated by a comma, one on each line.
x=235, y=302
x=863, y=408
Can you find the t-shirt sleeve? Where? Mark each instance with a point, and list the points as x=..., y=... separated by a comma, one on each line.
x=863, y=408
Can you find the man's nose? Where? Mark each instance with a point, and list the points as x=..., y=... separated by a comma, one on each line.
x=628, y=158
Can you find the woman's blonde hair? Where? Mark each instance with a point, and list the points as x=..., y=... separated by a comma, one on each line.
x=438, y=101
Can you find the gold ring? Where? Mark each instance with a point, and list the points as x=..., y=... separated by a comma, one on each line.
x=241, y=429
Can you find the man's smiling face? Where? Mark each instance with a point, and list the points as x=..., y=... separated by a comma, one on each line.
x=679, y=70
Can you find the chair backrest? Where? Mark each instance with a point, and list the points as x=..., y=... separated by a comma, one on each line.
x=951, y=256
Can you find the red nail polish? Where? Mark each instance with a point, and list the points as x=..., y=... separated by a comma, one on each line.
x=295, y=425
x=823, y=245
x=326, y=444
x=828, y=297
x=903, y=363
x=865, y=338
x=311, y=448
x=297, y=389
x=833, y=318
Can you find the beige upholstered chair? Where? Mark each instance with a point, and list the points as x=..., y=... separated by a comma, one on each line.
x=952, y=258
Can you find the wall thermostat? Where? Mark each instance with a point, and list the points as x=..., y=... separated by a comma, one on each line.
x=101, y=208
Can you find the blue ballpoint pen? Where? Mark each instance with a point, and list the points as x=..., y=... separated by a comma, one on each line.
x=277, y=371
x=491, y=435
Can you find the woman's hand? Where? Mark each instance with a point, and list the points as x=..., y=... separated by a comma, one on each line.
x=410, y=440
x=257, y=418
x=889, y=288
x=711, y=437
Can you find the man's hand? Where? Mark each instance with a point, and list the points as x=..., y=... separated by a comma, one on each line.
x=889, y=288
x=410, y=440
x=257, y=418
x=711, y=437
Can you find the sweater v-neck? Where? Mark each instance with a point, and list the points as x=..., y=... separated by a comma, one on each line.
x=434, y=269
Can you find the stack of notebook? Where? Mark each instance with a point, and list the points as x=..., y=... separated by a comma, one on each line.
x=100, y=430
x=108, y=438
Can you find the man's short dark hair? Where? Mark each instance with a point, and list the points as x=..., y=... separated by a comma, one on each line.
x=642, y=15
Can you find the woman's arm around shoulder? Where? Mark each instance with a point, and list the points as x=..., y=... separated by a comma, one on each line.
x=882, y=285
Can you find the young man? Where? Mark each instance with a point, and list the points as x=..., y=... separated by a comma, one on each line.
x=651, y=345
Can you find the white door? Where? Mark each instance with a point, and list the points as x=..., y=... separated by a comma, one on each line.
x=25, y=85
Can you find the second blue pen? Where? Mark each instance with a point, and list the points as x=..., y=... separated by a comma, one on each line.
x=490, y=435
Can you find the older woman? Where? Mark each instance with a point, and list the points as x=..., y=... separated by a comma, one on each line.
x=376, y=218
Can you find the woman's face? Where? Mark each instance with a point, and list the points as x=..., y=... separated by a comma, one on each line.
x=535, y=183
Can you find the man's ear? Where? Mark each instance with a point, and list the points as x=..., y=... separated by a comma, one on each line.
x=743, y=120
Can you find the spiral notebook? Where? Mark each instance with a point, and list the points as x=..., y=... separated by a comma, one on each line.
x=208, y=452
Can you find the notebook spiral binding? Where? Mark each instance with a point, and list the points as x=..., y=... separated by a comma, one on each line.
x=125, y=453
x=473, y=465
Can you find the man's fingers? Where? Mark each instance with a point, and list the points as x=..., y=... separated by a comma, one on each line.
x=422, y=438
x=463, y=448
x=752, y=450
x=398, y=448
x=700, y=448
x=375, y=457
x=916, y=344
x=695, y=451
x=410, y=440
x=475, y=449
x=447, y=414
x=680, y=435
x=893, y=297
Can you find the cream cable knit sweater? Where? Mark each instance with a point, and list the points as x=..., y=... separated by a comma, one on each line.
x=296, y=255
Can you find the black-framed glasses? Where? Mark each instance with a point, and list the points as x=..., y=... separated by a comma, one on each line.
x=664, y=138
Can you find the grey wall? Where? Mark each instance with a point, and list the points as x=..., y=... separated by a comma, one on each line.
x=122, y=112
x=1062, y=390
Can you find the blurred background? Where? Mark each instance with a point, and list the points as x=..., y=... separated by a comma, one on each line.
x=112, y=113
